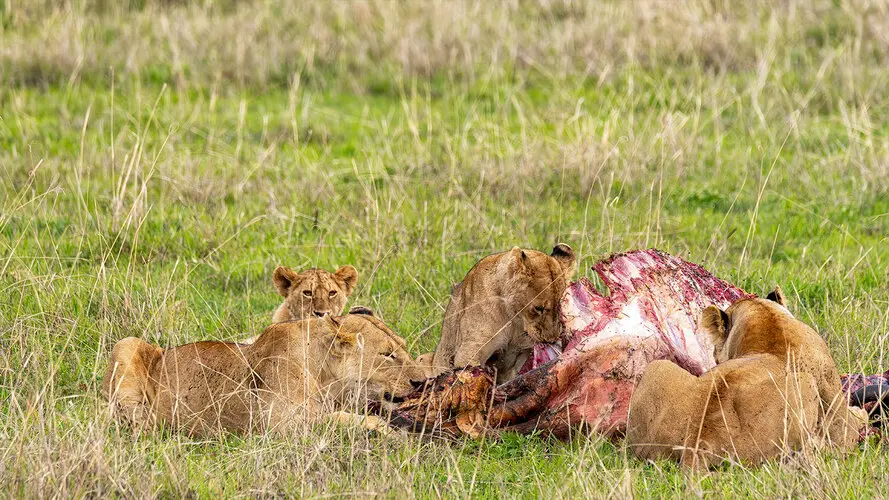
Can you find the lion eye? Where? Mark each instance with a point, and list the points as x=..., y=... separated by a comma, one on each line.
x=307, y=293
x=332, y=294
x=539, y=309
x=391, y=355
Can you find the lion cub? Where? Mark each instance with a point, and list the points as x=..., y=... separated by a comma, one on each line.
x=313, y=292
x=296, y=372
x=775, y=388
x=507, y=303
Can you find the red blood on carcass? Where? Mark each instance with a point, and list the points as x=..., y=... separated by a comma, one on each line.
x=542, y=354
x=651, y=312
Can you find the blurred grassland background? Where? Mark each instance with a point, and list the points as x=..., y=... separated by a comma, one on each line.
x=159, y=158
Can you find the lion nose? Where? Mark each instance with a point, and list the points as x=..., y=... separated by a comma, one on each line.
x=321, y=314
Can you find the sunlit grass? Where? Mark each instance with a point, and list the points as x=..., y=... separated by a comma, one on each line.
x=157, y=161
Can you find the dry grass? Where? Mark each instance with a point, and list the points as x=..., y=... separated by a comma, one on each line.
x=267, y=42
x=157, y=159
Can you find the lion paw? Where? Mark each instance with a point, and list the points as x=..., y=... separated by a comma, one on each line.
x=366, y=422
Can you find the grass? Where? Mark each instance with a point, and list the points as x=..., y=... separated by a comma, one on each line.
x=159, y=158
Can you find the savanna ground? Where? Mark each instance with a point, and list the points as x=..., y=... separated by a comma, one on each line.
x=159, y=158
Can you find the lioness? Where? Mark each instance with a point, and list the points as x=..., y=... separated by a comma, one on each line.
x=292, y=374
x=775, y=388
x=313, y=292
x=507, y=302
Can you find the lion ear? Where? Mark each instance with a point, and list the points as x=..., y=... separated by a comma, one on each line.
x=518, y=259
x=284, y=278
x=564, y=255
x=714, y=323
x=345, y=341
x=361, y=310
x=777, y=295
x=349, y=276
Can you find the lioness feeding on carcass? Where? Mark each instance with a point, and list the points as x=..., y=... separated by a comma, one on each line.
x=775, y=389
x=296, y=372
x=651, y=313
x=507, y=303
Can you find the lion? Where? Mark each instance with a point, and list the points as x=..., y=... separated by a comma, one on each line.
x=297, y=372
x=507, y=303
x=313, y=292
x=426, y=363
x=775, y=389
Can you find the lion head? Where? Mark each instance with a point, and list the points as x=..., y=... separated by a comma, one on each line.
x=750, y=317
x=367, y=360
x=538, y=282
x=313, y=293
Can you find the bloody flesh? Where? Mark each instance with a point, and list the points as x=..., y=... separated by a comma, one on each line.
x=650, y=312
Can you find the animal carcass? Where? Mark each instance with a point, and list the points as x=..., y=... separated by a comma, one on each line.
x=650, y=312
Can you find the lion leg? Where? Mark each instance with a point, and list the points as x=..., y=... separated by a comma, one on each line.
x=443, y=358
x=287, y=417
x=127, y=383
x=426, y=362
x=479, y=343
x=697, y=458
x=440, y=362
x=840, y=424
x=511, y=361
x=473, y=354
x=367, y=422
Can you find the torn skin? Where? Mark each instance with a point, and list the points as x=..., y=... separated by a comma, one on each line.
x=542, y=354
x=650, y=313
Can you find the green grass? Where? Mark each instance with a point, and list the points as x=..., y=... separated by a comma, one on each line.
x=158, y=159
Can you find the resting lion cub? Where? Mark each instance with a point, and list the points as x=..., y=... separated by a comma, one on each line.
x=507, y=303
x=292, y=374
x=313, y=292
x=775, y=388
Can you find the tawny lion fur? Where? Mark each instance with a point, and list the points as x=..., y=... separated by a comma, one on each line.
x=775, y=389
x=296, y=372
x=507, y=303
